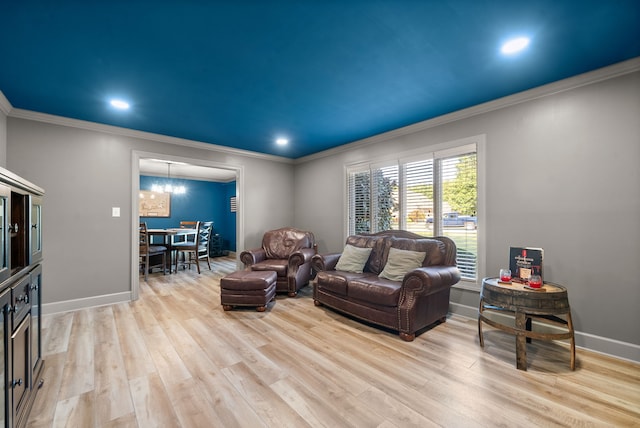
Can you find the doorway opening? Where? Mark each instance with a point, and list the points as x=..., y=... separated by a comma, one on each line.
x=155, y=165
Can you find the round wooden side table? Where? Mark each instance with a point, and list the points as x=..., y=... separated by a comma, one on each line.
x=526, y=304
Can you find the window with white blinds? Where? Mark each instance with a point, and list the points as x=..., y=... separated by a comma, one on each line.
x=384, y=190
x=432, y=194
x=359, y=191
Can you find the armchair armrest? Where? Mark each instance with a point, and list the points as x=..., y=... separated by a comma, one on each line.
x=301, y=257
x=253, y=256
x=299, y=269
x=323, y=262
x=429, y=280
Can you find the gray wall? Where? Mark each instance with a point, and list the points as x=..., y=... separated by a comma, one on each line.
x=87, y=253
x=568, y=165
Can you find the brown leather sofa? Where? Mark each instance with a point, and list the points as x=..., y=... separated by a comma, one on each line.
x=408, y=305
x=287, y=252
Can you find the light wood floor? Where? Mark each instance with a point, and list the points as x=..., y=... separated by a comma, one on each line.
x=174, y=358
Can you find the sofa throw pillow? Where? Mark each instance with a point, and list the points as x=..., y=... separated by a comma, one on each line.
x=379, y=248
x=401, y=262
x=353, y=259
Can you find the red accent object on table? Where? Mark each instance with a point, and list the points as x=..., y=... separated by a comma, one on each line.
x=535, y=281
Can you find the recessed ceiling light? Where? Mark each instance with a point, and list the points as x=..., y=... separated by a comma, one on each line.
x=515, y=45
x=282, y=141
x=119, y=104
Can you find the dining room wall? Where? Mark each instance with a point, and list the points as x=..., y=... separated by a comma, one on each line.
x=229, y=221
x=87, y=169
x=203, y=201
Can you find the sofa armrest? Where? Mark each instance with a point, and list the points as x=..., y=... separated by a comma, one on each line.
x=429, y=280
x=324, y=262
x=251, y=257
x=424, y=298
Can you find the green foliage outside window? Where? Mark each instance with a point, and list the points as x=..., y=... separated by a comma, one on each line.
x=462, y=192
x=385, y=200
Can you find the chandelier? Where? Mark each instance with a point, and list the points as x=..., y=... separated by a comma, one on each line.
x=168, y=188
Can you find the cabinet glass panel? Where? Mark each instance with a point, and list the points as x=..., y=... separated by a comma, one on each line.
x=19, y=231
x=36, y=229
x=5, y=193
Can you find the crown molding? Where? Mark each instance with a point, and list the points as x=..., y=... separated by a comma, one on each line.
x=5, y=105
x=553, y=88
x=132, y=133
x=563, y=85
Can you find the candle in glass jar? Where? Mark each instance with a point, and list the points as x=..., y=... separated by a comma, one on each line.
x=535, y=281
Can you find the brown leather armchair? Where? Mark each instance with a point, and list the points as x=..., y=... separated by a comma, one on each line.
x=286, y=251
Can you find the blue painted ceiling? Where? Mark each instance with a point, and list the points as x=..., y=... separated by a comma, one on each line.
x=322, y=73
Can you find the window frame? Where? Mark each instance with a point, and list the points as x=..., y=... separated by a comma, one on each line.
x=435, y=151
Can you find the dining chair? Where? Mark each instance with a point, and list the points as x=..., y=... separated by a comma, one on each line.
x=147, y=250
x=182, y=238
x=193, y=252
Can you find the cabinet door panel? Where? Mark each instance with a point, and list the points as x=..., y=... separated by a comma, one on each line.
x=36, y=319
x=35, y=230
x=5, y=356
x=21, y=373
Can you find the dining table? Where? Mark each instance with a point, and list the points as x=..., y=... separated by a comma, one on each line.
x=167, y=235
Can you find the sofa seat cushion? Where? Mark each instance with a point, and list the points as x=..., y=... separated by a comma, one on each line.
x=370, y=288
x=335, y=281
x=279, y=266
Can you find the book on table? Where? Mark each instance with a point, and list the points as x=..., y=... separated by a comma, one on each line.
x=524, y=262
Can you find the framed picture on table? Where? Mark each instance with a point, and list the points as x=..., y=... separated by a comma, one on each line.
x=524, y=262
x=154, y=204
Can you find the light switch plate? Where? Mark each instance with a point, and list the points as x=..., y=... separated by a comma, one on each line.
x=115, y=212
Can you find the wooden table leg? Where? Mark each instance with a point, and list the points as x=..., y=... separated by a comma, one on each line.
x=480, y=310
x=573, y=341
x=529, y=324
x=521, y=342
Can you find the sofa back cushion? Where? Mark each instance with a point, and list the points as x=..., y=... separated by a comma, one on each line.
x=434, y=249
x=281, y=243
x=379, y=248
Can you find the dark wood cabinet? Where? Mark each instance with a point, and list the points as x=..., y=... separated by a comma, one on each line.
x=215, y=245
x=20, y=296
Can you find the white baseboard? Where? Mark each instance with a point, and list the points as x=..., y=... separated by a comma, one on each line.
x=591, y=342
x=88, y=302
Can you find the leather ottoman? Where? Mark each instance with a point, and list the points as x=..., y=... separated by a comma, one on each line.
x=248, y=288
